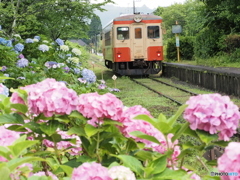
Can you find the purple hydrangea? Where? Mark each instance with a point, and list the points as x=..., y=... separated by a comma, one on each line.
x=19, y=47
x=59, y=41
x=102, y=86
x=67, y=69
x=113, y=89
x=88, y=75
x=51, y=64
x=4, y=68
x=21, y=56
x=29, y=40
x=22, y=78
x=4, y=90
x=22, y=63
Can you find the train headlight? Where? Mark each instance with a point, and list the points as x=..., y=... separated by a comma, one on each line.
x=118, y=55
x=158, y=54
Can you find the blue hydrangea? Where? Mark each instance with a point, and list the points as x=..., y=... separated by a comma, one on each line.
x=76, y=71
x=29, y=40
x=5, y=42
x=37, y=37
x=89, y=75
x=4, y=90
x=19, y=47
x=51, y=64
x=59, y=41
x=22, y=63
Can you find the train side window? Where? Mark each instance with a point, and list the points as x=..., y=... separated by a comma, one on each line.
x=138, y=33
x=153, y=31
x=107, y=38
x=122, y=33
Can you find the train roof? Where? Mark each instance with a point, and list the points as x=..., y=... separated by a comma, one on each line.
x=131, y=17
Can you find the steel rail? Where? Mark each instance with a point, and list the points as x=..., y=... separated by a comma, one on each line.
x=159, y=93
x=184, y=90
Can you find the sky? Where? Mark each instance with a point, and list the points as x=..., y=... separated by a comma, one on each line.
x=153, y=4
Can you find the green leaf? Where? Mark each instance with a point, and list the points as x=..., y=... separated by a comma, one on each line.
x=76, y=130
x=11, y=119
x=20, y=107
x=18, y=148
x=133, y=163
x=142, y=135
x=206, y=137
x=189, y=131
x=90, y=130
x=160, y=125
x=221, y=143
x=50, y=127
x=4, y=152
x=144, y=155
x=76, y=114
x=180, y=131
x=158, y=165
x=22, y=93
x=4, y=173
x=67, y=169
x=14, y=163
x=170, y=174
x=212, y=162
x=179, y=112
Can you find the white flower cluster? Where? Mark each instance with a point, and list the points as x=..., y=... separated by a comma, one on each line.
x=76, y=51
x=43, y=47
x=64, y=48
x=121, y=173
x=73, y=59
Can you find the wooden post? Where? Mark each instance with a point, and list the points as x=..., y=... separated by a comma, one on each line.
x=177, y=45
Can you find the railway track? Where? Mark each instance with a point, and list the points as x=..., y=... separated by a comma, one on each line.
x=160, y=93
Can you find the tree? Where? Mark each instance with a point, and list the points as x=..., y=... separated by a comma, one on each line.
x=61, y=18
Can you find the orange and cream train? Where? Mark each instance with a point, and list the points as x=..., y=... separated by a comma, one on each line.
x=133, y=44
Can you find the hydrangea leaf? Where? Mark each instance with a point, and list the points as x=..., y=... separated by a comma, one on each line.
x=171, y=174
x=144, y=136
x=206, y=137
x=144, y=155
x=90, y=130
x=50, y=128
x=4, y=173
x=18, y=148
x=67, y=169
x=158, y=165
x=20, y=107
x=133, y=163
x=11, y=119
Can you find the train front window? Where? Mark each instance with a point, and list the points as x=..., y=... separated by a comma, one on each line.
x=122, y=33
x=153, y=32
x=138, y=33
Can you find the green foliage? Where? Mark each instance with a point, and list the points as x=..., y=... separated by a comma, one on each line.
x=186, y=48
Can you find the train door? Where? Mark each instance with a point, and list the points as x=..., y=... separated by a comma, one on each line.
x=138, y=49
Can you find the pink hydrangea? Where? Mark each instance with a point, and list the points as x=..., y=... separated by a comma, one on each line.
x=121, y=173
x=129, y=124
x=97, y=107
x=230, y=161
x=48, y=97
x=213, y=113
x=42, y=173
x=90, y=171
x=7, y=137
x=75, y=148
